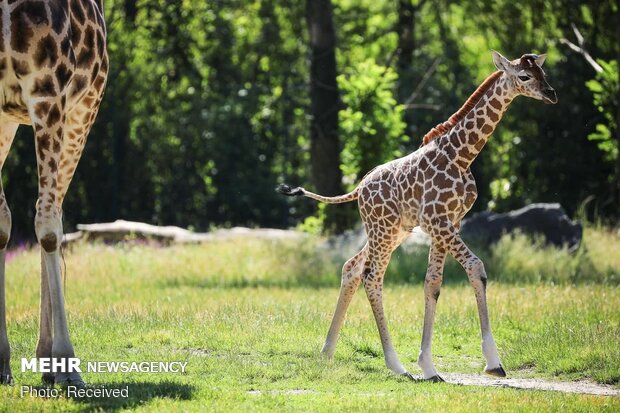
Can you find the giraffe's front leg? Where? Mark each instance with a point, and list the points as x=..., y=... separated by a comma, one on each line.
x=6, y=376
x=7, y=132
x=44, y=344
x=373, y=284
x=478, y=280
x=432, y=286
x=49, y=120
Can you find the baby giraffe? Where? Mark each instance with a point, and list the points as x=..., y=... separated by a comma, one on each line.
x=433, y=188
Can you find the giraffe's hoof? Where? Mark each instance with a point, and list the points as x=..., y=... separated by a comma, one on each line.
x=435, y=379
x=69, y=379
x=409, y=376
x=498, y=371
x=6, y=378
x=47, y=378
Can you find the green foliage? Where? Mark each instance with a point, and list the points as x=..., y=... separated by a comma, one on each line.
x=372, y=126
x=207, y=104
x=604, y=89
x=314, y=224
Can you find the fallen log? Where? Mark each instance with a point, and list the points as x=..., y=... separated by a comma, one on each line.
x=120, y=230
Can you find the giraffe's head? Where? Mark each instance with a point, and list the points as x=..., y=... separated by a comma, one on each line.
x=526, y=76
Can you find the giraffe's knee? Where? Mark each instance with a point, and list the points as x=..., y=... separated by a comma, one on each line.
x=4, y=239
x=475, y=266
x=476, y=272
x=49, y=242
x=49, y=232
x=352, y=271
x=5, y=225
x=351, y=278
x=432, y=286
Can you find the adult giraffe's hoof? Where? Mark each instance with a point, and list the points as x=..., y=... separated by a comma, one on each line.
x=435, y=379
x=69, y=379
x=6, y=378
x=497, y=372
x=47, y=378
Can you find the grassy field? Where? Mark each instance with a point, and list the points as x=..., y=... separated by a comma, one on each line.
x=250, y=317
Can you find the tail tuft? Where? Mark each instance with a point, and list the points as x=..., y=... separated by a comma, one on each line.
x=285, y=189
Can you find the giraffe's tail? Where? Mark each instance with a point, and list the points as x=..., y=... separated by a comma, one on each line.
x=285, y=189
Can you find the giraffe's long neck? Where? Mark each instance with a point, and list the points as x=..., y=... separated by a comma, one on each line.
x=471, y=133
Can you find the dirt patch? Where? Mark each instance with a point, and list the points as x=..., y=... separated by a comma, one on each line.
x=580, y=387
x=292, y=392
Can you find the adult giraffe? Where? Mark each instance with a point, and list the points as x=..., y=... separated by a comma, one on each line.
x=432, y=188
x=53, y=69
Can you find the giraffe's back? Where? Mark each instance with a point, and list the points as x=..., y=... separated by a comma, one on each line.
x=47, y=49
x=424, y=183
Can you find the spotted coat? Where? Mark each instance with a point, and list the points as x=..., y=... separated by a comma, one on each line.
x=432, y=188
x=53, y=71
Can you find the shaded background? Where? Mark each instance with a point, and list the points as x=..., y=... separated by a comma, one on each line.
x=210, y=104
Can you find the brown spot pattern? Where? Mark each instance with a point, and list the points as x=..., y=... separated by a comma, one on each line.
x=434, y=188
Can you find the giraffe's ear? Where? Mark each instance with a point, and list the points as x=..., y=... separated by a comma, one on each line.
x=501, y=63
x=541, y=59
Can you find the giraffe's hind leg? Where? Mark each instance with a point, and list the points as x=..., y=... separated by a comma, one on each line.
x=382, y=242
x=351, y=278
x=7, y=132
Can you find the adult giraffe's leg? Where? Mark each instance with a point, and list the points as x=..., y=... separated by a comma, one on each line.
x=7, y=132
x=432, y=286
x=77, y=125
x=374, y=271
x=351, y=278
x=478, y=280
x=44, y=344
x=49, y=119
x=80, y=120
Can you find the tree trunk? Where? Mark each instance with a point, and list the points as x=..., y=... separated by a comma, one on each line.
x=616, y=198
x=325, y=104
x=131, y=11
x=405, y=28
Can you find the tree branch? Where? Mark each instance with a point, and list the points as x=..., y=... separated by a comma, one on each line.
x=425, y=79
x=428, y=106
x=580, y=48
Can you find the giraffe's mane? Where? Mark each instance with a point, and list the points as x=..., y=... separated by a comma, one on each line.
x=475, y=97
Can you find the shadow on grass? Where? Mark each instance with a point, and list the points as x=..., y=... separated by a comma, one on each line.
x=138, y=393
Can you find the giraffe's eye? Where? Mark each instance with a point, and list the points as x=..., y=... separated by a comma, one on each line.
x=524, y=78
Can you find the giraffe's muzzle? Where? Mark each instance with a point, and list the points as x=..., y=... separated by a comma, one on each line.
x=549, y=96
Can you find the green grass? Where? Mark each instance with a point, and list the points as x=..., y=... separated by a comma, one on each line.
x=252, y=315
x=520, y=260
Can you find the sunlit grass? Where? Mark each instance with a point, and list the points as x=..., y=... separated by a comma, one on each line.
x=252, y=315
x=518, y=259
